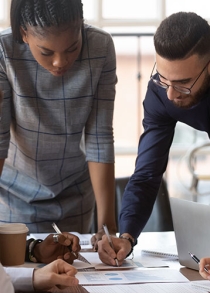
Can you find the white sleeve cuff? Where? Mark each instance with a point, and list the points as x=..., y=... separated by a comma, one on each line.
x=22, y=278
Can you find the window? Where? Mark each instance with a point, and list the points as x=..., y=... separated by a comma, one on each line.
x=132, y=10
x=4, y=13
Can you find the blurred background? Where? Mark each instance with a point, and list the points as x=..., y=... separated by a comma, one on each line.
x=132, y=25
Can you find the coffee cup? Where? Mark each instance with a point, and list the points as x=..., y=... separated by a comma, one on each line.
x=12, y=243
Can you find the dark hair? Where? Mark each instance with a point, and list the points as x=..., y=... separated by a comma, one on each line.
x=43, y=14
x=181, y=35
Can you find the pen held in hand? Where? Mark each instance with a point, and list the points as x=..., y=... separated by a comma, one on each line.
x=110, y=241
x=194, y=257
x=79, y=256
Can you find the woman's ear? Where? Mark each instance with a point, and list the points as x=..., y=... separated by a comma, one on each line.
x=24, y=35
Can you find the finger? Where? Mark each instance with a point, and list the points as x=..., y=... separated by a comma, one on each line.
x=95, y=246
x=65, y=280
x=121, y=255
x=64, y=267
x=94, y=243
x=74, y=241
x=69, y=257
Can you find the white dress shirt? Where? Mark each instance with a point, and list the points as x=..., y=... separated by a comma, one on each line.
x=21, y=278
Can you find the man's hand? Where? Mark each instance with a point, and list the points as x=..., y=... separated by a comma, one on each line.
x=58, y=273
x=107, y=255
x=48, y=250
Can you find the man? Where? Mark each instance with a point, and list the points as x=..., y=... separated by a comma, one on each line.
x=58, y=272
x=178, y=90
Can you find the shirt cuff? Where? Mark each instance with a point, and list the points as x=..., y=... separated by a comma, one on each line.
x=22, y=278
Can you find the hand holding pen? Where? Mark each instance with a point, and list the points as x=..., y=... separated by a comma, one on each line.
x=203, y=264
x=106, y=231
x=48, y=250
x=76, y=255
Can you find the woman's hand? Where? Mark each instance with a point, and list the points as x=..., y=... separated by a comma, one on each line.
x=95, y=238
x=49, y=250
x=98, y=236
x=57, y=273
x=204, y=264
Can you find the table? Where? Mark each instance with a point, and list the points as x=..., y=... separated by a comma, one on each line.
x=154, y=241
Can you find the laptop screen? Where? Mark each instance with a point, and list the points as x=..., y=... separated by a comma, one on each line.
x=192, y=230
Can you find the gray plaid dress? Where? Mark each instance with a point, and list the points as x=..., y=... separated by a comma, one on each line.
x=50, y=127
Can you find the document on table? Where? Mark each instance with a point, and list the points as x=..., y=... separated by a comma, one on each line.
x=145, y=288
x=204, y=285
x=95, y=261
x=130, y=276
x=148, y=261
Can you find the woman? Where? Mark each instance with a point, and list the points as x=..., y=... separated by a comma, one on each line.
x=58, y=79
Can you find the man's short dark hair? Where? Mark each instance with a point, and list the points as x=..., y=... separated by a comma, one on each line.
x=182, y=35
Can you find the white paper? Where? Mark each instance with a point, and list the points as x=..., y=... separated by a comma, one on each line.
x=204, y=284
x=145, y=288
x=130, y=276
x=94, y=259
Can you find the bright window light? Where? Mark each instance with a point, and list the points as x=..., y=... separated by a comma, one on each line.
x=88, y=9
x=199, y=7
x=132, y=9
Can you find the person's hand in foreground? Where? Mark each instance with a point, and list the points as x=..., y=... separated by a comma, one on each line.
x=204, y=262
x=107, y=255
x=48, y=250
x=58, y=273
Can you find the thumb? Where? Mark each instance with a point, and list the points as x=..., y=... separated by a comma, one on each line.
x=65, y=280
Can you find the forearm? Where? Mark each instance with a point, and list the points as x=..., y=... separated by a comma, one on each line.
x=103, y=181
x=1, y=165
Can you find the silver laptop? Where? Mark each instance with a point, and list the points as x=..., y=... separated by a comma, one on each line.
x=191, y=222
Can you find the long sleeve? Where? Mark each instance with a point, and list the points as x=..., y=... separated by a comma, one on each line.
x=151, y=162
x=5, y=282
x=21, y=278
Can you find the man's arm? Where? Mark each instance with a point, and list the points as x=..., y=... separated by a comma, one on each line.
x=151, y=162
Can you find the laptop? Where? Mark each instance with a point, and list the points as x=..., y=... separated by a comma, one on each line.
x=192, y=230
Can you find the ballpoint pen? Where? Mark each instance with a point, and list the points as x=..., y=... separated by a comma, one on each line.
x=78, y=256
x=110, y=241
x=198, y=261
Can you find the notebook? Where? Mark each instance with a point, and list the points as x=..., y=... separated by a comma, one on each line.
x=192, y=232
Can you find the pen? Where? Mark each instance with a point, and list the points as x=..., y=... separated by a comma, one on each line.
x=198, y=261
x=110, y=241
x=79, y=257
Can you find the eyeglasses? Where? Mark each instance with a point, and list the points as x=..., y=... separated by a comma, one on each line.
x=180, y=89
